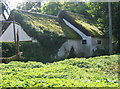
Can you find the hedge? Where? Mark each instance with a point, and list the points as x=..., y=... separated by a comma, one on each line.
x=33, y=51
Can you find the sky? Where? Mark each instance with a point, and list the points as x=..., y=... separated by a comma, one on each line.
x=13, y=3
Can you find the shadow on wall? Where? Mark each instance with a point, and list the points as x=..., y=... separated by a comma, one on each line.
x=72, y=53
x=99, y=52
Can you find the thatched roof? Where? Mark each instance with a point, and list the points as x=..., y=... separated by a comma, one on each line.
x=38, y=25
x=43, y=24
x=83, y=23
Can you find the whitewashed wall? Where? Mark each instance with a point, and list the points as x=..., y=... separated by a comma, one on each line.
x=82, y=49
x=104, y=43
x=8, y=35
x=86, y=51
x=79, y=48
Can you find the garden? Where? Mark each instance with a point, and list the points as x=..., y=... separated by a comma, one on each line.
x=74, y=72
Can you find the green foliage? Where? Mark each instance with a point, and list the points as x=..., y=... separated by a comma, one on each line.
x=76, y=7
x=39, y=26
x=99, y=52
x=116, y=22
x=8, y=49
x=86, y=22
x=51, y=8
x=46, y=50
x=75, y=72
x=100, y=12
x=25, y=5
x=33, y=6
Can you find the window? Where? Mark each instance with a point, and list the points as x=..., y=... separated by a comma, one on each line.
x=84, y=42
x=98, y=41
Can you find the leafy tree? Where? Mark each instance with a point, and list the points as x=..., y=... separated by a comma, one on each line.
x=33, y=6
x=51, y=8
x=116, y=22
x=100, y=12
x=25, y=5
x=77, y=7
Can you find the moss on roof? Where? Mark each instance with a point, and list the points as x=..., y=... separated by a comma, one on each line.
x=43, y=23
x=86, y=22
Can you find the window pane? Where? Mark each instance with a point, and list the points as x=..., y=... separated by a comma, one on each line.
x=98, y=41
x=84, y=42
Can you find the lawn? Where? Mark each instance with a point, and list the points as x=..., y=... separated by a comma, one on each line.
x=75, y=72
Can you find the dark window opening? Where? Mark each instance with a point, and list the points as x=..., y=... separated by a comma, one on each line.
x=84, y=42
x=98, y=41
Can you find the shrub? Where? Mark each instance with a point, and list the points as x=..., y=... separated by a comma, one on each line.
x=33, y=51
x=100, y=52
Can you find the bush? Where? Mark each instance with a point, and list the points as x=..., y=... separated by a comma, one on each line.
x=100, y=52
x=33, y=51
x=8, y=49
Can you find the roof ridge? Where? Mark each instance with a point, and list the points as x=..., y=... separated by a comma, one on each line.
x=34, y=13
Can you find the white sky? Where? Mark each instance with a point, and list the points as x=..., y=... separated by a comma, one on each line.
x=13, y=3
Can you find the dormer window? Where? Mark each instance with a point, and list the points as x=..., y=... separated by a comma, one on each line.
x=84, y=42
x=98, y=41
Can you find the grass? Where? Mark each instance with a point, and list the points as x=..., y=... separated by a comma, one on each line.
x=75, y=72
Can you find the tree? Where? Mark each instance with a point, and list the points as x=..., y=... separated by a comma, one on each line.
x=33, y=6
x=51, y=8
x=116, y=22
x=77, y=7
x=100, y=12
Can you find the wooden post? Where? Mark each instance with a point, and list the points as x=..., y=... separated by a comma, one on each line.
x=17, y=44
x=15, y=36
x=0, y=30
x=110, y=29
x=0, y=43
x=14, y=27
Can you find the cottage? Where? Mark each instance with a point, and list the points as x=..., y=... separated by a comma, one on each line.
x=92, y=38
x=79, y=33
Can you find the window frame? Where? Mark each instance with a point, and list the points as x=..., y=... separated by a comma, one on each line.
x=84, y=42
x=99, y=42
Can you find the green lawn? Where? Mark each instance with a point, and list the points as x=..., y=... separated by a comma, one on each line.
x=75, y=72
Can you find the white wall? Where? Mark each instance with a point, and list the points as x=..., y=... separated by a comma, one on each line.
x=8, y=35
x=79, y=48
x=103, y=45
x=84, y=37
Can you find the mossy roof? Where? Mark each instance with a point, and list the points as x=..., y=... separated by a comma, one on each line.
x=54, y=25
x=84, y=23
x=46, y=23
